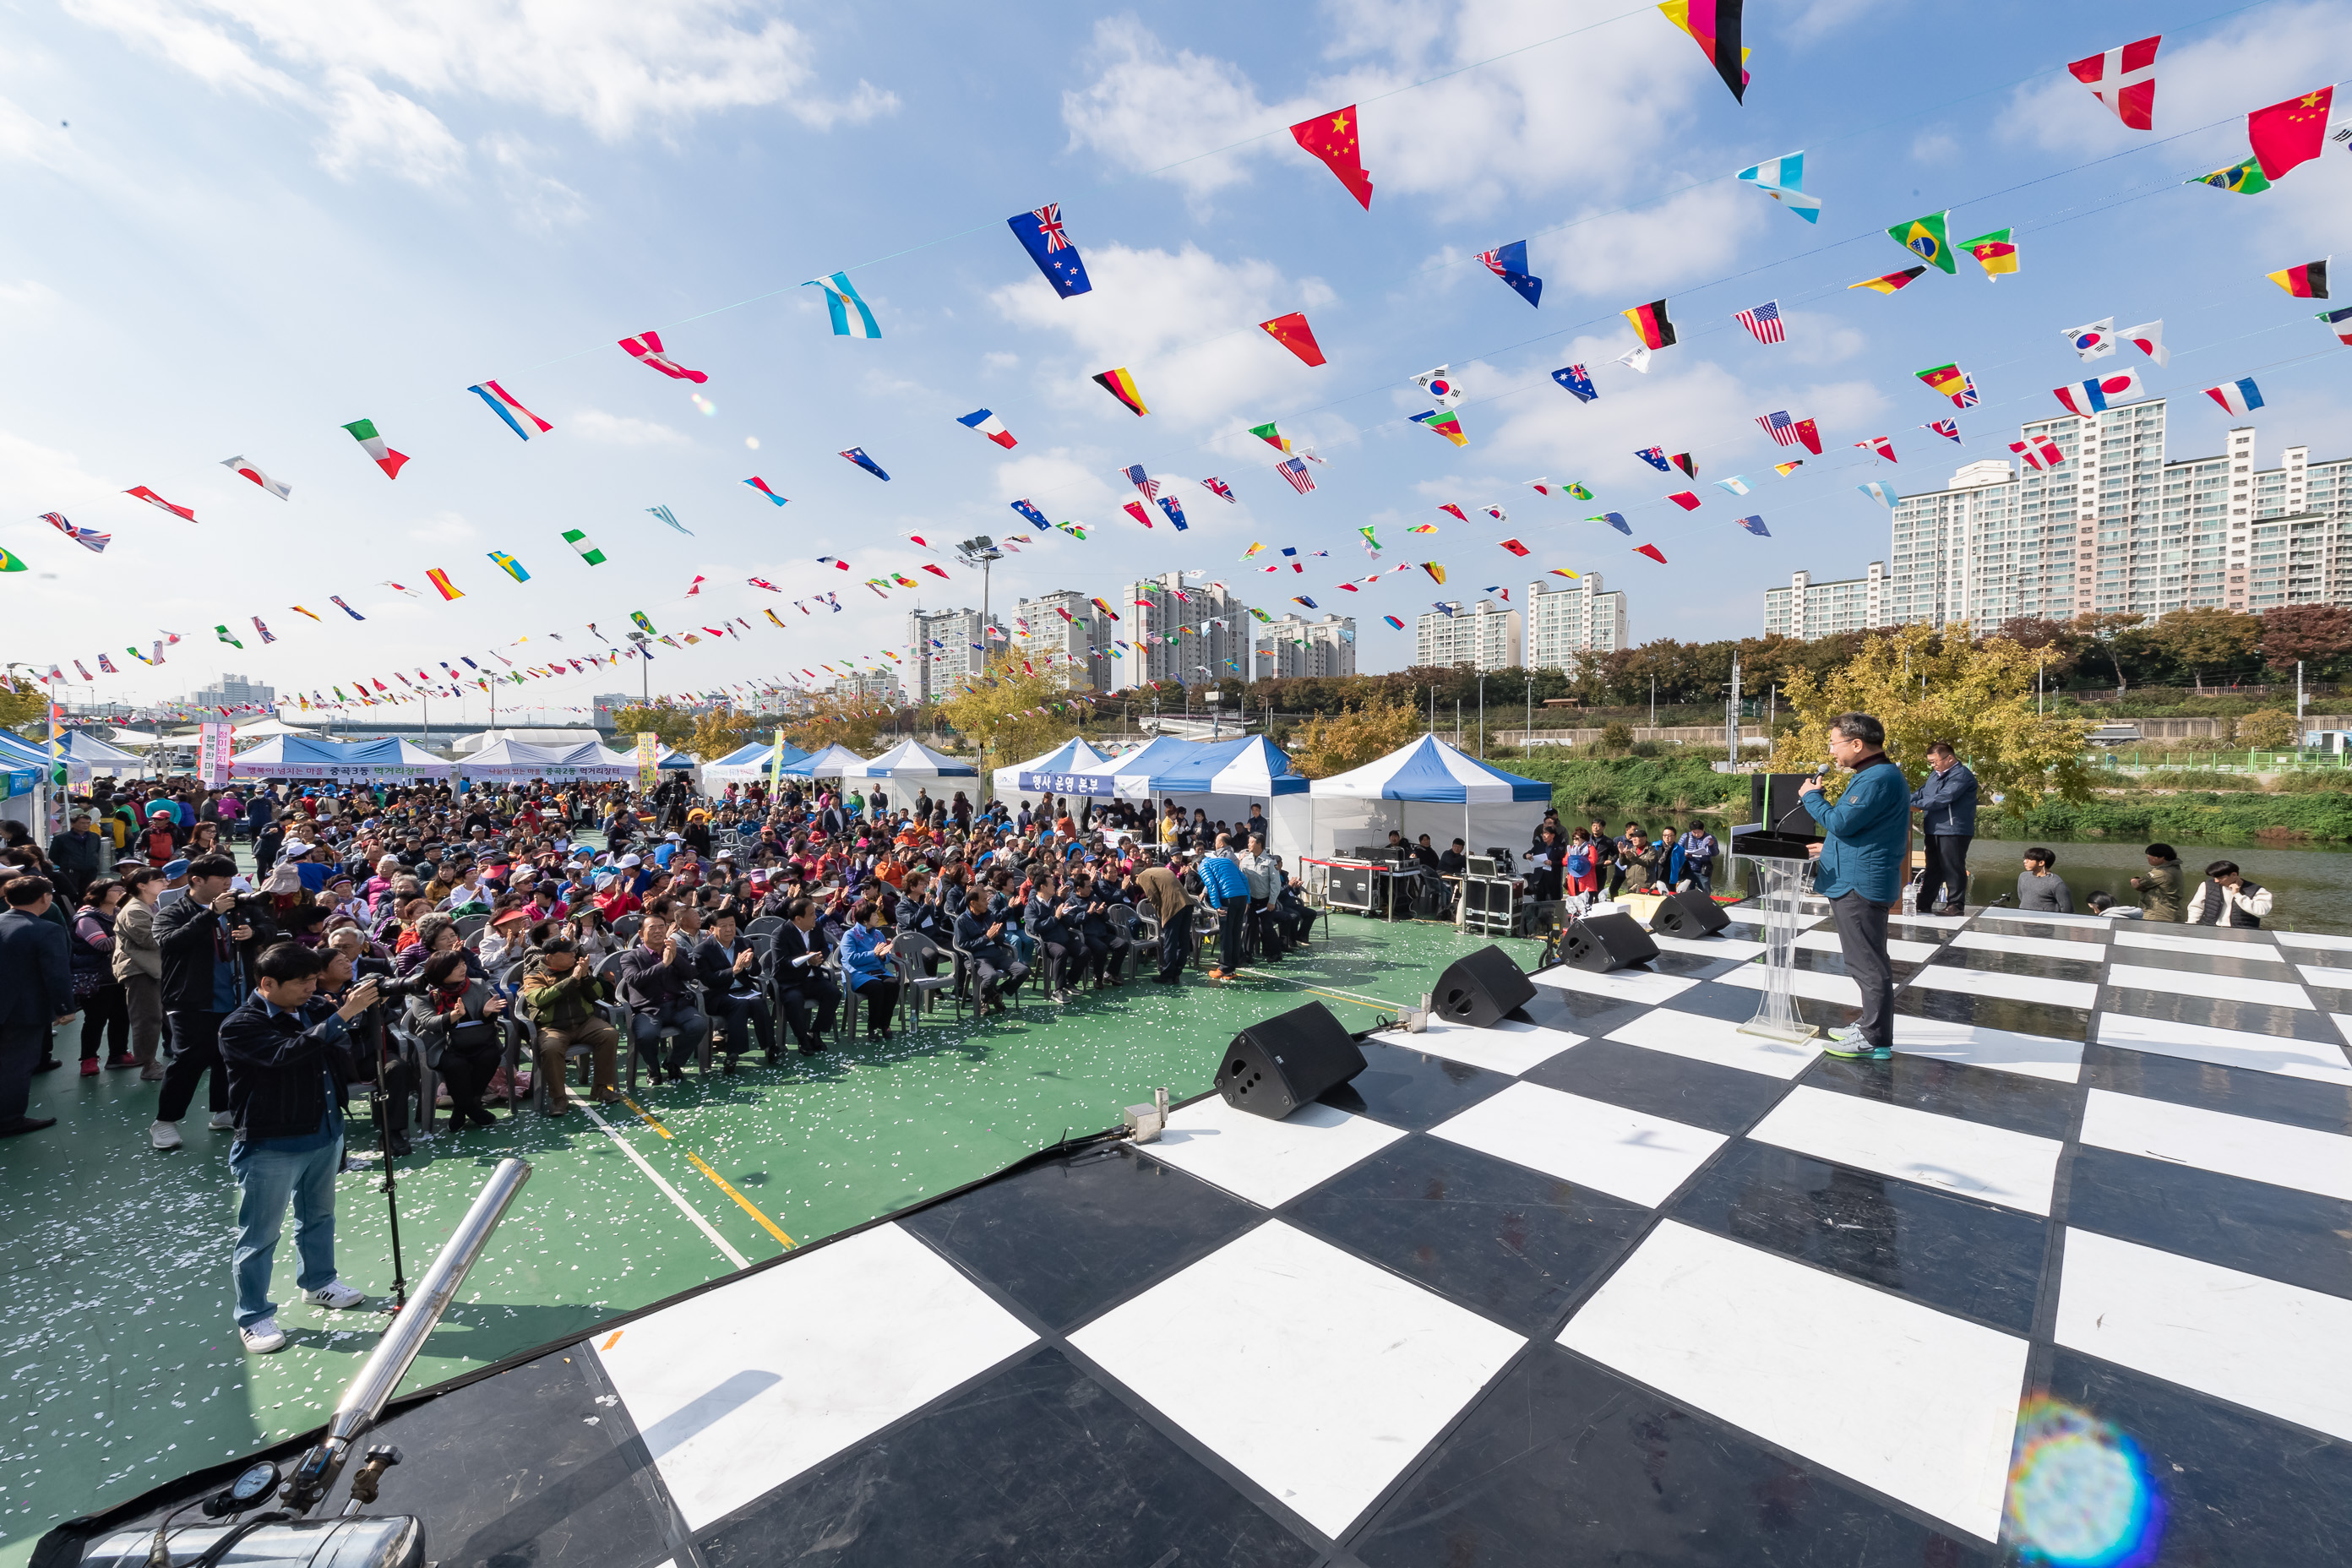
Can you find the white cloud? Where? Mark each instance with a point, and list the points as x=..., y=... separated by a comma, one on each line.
x=32, y=476
x=623, y=430
x=444, y=528
x=28, y=300
x=1061, y=483
x=539, y=203
x=996, y=359
x=1632, y=94
x=614, y=66
x=1697, y=234
x=1184, y=323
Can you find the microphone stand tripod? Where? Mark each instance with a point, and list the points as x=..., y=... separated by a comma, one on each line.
x=381, y=1101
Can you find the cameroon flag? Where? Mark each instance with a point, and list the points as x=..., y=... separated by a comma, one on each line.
x=1121, y=386
x=1928, y=238
x=1442, y=421
x=1994, y=252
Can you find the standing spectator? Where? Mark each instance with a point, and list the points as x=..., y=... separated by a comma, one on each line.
x=2160, y=891
x=1860, y=873
x=287, y=1071
x=79, y=855
x=1224, y=886
x=139, y=966
x=1698, y=847
x=35, y=995
x=1164, y=886
x=1946, y=804
x=203, y=938
x=2038, y=889
x=106, y=1017
x=2225, y=888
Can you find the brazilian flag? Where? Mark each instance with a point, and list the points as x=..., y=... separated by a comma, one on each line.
x=2245, y=178
x=1928, y=240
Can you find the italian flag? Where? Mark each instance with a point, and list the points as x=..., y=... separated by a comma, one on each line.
x=363, y=432
x=580, y=542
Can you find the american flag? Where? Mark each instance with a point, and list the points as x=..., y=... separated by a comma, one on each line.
x=1779, y=426
x=1764, y=321
x=1143, y=482
x=1296, y=472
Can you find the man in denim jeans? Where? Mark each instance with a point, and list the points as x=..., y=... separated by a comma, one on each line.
x=286, y=1070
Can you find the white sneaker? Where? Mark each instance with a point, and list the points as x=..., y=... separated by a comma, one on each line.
x=263, y=1337
x=165, y=1135
x=335, y=1296
x=221, y=1122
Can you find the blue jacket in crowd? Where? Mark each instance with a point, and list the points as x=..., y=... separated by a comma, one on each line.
x=1865, y=832
x=1220, y=879
x=1950, y=799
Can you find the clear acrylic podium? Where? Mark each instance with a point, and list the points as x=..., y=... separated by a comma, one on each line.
x=1783, y=869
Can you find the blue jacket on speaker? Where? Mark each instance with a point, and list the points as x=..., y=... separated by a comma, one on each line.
x=1865, y=835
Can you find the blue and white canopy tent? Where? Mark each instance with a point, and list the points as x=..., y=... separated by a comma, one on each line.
x=1428, y=787
x=365, y=761
x=912, y=763
x=747, y=764
x=518, y=761
x=1043, y=773
x=23, y=778
x=834, y=762
x=1221, y=778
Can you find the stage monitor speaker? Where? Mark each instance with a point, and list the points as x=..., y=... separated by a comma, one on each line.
x=1602, y=942
x=1274, y=1067
x=1689, y=913
x=1479, y=989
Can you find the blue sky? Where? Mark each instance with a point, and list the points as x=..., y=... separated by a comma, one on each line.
x=266, y=218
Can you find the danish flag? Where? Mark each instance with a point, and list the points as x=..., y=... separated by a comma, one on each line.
x=2124, y=81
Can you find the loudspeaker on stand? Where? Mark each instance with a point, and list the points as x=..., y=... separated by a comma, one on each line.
x=1275, y=1065
x=1689, y=913
x=1600, y=943
x=1480, y=988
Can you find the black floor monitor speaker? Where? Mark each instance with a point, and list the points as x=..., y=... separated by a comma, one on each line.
x=1602, y=942
x=1689, y=913
x=1480, y=989
x=1274, y=1067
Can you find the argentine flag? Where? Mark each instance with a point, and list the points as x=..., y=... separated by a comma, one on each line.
x=841, y=298
x=1784, y=179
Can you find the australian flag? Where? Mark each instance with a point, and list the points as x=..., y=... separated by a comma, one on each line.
x=1175, y=511
x=1036, y=519
x=1655, y=456
x=1578, y=380
x=1040, y=234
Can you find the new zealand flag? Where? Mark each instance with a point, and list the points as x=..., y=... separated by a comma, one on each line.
x=1041, y=235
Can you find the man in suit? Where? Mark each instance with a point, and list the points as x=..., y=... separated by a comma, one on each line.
x=798, y=959
x=36, y=994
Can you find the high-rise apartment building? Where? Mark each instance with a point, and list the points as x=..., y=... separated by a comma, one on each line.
x=868, y=685
x=235, y=691
x=1809, y=610
x=1565, y=624
x=1062, y=634
x=942, y=648
x=1296, y=645
x=1179, y=632
x=1484, y=636
x=2116, y=525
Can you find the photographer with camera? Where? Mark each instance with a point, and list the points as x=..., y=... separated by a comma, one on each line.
x=288, y=1063
x=207, y=939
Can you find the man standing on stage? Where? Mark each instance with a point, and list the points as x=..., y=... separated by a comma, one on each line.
x=1946, y=804
x=1860, y=873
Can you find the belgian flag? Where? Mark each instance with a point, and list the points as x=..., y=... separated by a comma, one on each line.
x=1651, y=321
x=1121, y=386
x=2308, y=281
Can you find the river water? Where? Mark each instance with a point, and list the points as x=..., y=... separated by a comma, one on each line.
x=2310, y=888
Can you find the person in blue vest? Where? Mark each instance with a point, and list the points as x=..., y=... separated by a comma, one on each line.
x=1860, y=872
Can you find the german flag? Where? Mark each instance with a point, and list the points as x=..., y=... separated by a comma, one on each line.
x=1651, y=321
x=1714, y=26
x=1891, y=282
x=440, y=580
x=2308, y=281
x=1121, y=386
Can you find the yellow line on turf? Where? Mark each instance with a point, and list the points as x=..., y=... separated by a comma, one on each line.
x=674, y=1195
x=645, y=1116
x=741, y=1201
x=1359, y=1001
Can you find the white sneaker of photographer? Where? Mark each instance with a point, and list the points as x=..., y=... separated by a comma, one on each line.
x=335, y=1296
x=263, y=1337
x=163, y=1134
x=221, y=1122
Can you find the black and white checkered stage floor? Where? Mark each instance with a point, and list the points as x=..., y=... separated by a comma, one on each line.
x=1618, y=1284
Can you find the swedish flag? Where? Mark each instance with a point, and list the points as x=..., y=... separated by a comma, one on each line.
x=1928, y=238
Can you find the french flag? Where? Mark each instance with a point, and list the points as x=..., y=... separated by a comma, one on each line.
x=2237, y=396
x=503, y=403
x=2091, y=397
x=988, y=425
x=757, y=483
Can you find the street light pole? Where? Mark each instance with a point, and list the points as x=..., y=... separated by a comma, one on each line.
x=1482, y=714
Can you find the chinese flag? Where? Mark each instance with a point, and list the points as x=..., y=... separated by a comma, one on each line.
x=1811, y=435
x=2289, y=134
x=1332, y=137
x=1652, y=551
x=1293, y=334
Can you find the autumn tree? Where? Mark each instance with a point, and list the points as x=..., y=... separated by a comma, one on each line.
x=2268, y=730
x=1333, y=743
x=673, y=724
x=1924, y=687
x=2117, y=634
x=1012, y=715
x=839, y=719
x=724, y=730
x=2318, y=634
x=21, y=703
x=2207, y=637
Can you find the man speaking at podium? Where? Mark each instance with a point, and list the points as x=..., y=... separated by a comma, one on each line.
x=1860, y=874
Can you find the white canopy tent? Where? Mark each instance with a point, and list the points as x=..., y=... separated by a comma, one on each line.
x=518, y=761
x=911, y=762
x=1427, y=787
x=262, y=728
x=140, y=740
x=834, y=762
x=1039, y=774
x=86, y=754
x=747, y=764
